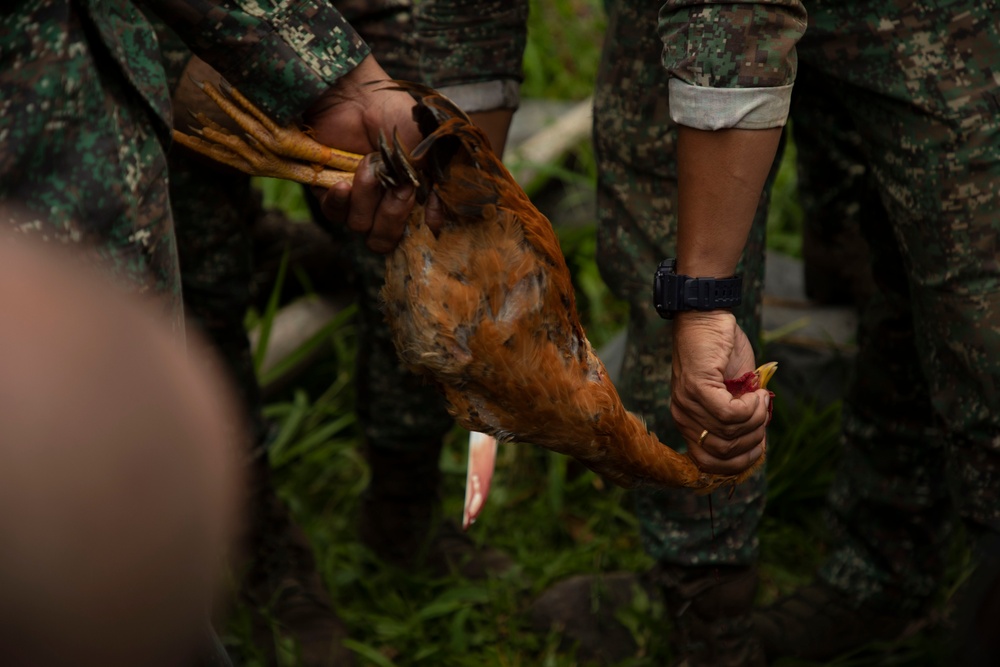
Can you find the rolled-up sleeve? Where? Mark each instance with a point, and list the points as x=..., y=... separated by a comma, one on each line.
x=732, y=65
x=472, y=50
x=282, y=55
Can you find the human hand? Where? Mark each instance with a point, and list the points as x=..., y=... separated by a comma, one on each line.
x=350, y=117
x=708, y=348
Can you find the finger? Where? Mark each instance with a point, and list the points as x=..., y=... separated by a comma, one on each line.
x=391, y=218
x=720, y=412
x=434, y=213
x=723, y=449
x=733, y=466
x=365, y=196
x=335, y=203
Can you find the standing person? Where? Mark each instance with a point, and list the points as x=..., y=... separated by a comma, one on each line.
x=472, y=52
x=706, y=550
x=403, y=423
x=85, y=116
x=889, y=119
x=922, y=419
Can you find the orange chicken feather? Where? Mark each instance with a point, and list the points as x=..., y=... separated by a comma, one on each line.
x=485, y=306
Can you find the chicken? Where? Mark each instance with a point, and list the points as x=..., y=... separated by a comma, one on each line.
x=484, y=306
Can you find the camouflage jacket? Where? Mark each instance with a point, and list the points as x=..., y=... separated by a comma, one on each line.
x=281, y=56
x=739, y=69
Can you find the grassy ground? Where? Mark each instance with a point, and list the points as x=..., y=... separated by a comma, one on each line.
x=554, y=520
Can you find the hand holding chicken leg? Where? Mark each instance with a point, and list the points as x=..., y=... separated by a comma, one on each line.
x=710, y=353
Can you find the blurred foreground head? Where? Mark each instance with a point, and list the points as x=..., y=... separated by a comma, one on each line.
x=118, y=478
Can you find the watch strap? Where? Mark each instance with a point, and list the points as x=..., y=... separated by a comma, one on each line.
x=711, y=293
x=673, y=293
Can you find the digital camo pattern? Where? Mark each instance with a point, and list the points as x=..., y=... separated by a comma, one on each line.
x=281, y=55
x=922, y=420
x=81, y=156
x=738, y=45
x=387, y=26
x=636, y=199
x=467, y=41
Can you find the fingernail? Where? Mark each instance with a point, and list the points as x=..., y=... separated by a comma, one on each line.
x=403, y=193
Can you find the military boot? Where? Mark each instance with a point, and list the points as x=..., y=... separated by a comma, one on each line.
x=711, y=610
x=818, y=622
x=401, y=519
x=282, y=586
x=708, y=606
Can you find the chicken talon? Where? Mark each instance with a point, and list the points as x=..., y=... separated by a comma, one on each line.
x=383, y=147
x=206, y=122
x=404, y=159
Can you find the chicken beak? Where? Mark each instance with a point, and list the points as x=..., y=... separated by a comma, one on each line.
x=765, y=372
x=482, y=456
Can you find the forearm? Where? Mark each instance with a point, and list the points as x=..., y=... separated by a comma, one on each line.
x=732, y=66
x=721, y=176
x=495, y=124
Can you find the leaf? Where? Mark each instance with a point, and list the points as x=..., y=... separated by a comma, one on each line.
x=267, y=319
x=314, y=439
x=290, y=427
x=369, y=652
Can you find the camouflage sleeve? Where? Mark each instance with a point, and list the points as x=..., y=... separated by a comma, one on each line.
x=731, y=64
x=472, y=50
x=282, y=54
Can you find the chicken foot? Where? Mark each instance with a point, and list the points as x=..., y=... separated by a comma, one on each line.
x=267, y=149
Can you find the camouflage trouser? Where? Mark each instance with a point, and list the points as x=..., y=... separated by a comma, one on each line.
x=637, y=182
x=922, y=419
x=80, y=158
x=397, y=409
x=213, y=217
x=915, y=113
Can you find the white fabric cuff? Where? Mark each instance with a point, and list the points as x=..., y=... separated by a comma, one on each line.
x=705, y=108
x=485, y=95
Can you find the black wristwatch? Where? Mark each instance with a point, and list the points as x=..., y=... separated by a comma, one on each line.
x=674, y=294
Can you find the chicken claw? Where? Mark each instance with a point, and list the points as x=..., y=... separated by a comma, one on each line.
x=267, y=149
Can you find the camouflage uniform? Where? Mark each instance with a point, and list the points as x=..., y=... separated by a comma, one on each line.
x=922, y=420
x=85, y=113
